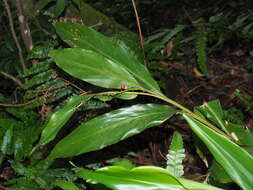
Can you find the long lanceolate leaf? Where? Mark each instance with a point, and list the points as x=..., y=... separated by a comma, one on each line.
x=111, y=128
x=94, y=68
x=60, y=117
x=140, y=178
x=235, y=160
x=77, y=35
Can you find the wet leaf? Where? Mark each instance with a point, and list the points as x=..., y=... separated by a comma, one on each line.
x=94, y=68
x=77, y=35
x=111, y=128
x=60, y=117
x=140, y=178
x=236, y=161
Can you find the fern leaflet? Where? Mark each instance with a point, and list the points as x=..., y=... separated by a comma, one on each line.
x=200, y=47
x=176, y=155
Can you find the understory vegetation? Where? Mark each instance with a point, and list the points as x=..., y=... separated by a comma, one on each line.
x=144, y=94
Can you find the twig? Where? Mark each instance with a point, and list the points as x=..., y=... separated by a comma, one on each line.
x=18, y=105
x=138, y=24
x=20, y=53
x=11, y=77
x=75, y=86
x=24, y=27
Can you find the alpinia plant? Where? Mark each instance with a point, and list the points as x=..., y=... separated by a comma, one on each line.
x=109, y=63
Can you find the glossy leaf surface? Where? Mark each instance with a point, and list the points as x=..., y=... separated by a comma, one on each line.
x=140, y=178
x=60, y=117
x=111, y=128
x=77, y=35
x=235, y=160
x=94, y=68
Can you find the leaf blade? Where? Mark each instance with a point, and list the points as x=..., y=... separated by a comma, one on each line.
x=60, y=117
x=112, y=127
x=92, y=67
x=226, y=153
x=140, y=178
x=77, y=35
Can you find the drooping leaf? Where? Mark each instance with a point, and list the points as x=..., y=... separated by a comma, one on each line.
x=176, y=155
x=140, y=178
x=236, y=161
x=111, y=128
x=60, y=117
x=94, y=68
x=77, y=35
x=66, y=185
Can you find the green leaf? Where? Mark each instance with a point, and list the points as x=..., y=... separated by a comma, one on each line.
x=94, y=68
x=22, y=114
x=60, y=117
x=38, y=79
x=66, y=185
x=200, y=47
x=40, y=52
x=176, y=155
x=42, y=4
x=111, y=128
x=244, y=136
x=218, y=173
x=141, y=178
x=213, y=112
x=57, y=9
x=236, y=161
x=7, y=141
x=126, y=96
x=4, y=99
x=77, y=35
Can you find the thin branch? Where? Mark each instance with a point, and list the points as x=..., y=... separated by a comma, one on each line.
x=20, y=53
x=18, y=105
x=138, y=24
x=17, y=81
x=24, y=27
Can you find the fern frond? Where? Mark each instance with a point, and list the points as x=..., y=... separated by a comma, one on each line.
x=175, y=155
x=45, y=87
x=42, y=51
x=38, y=79
x=36, y=68
x=200, y=48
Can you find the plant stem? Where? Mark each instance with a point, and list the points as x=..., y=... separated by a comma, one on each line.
x=18, y=82
x=168, y=100
x=184, y=109
x=138, y=24
x=20, y=53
